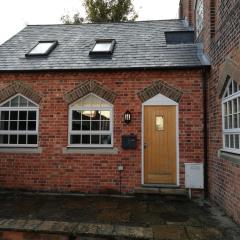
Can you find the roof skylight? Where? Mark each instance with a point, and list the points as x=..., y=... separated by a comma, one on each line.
x=104, y=46
x=43, y=48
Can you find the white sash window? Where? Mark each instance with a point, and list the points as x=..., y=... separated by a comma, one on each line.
x=19, y=122
x=231, y=117
x=90, y=122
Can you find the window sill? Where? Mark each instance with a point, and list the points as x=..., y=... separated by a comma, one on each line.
x=20, y=150
x=105, y=151
x=233, y=157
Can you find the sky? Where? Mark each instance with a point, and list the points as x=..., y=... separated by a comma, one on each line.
x=16, y=14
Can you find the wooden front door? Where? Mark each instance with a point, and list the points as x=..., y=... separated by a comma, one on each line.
x=160, y=144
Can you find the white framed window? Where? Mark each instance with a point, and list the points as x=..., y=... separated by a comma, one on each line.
x=19, y=122
x=90, y=122
x=199, y=16
x=231, y=117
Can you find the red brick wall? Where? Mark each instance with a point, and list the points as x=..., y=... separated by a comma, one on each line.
x=54, y=171
x=221, y=36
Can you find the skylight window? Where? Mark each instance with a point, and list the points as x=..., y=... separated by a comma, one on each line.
x=179, y=37
x=104, y=46
x=43, y=48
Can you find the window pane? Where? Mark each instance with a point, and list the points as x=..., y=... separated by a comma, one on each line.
x=3, y=125
x=23, y=102
x=4, y=115
x=234, y=105
x=22, y=125
x=76, y=115
x=13, y=125
x=85, y=139
x=95, y=115
x=230, y=121
x=105, y=125
x=86, y=125
x=238, y=104
x=15, y=102
x=230, y=107
x=41, y=48
x=237, y=141
x=31, y=125
x=13, y=139
x=227, y=141
x=22, y=139
x=95, y=139
x=13, y=115
x=4, y=139
x=6, y=104
x=106, y=139
x=225, y=109
x=30, y=104
x=235, y=121
x=86, y=115
x=239, y=120
x=226, y=122
x=230, y=88
x=231, y=141
x=95, y=125
x=32, y=115
x=102, y=47
x=235, y=87
x=105, y=115
x=76, y=125
x=75, y=139
x=23, y=115
x=32, y=139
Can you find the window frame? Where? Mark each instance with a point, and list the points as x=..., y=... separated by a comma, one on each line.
x=109, y=52
x=90, y=132
x=50, y=49
x=233, y=131
x=19, y=132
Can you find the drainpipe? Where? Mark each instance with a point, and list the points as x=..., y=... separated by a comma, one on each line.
x=205, y=131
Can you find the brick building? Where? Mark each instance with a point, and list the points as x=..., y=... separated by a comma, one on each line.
x=217, y=27
x=101, y=107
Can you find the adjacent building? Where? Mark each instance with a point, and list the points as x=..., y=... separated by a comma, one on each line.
x=217, y=27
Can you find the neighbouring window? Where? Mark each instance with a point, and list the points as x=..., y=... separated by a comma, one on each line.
x=103, y=46
x=91, y=122
x=199, y=16
x=43, y=48
x=18, y=122
x=231, y=117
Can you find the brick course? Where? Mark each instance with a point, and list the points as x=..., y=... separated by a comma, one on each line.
x=53, y=170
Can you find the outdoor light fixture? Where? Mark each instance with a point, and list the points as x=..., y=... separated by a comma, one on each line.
x=127, y=117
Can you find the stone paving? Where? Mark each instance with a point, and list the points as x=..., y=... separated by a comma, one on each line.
x=105, y=217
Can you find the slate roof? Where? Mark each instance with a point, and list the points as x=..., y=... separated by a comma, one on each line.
x=138, y=45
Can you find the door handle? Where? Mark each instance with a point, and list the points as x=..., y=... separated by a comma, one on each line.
x=145, y=145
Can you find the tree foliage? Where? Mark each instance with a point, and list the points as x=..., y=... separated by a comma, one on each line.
x=104, y=11
x=75, y=19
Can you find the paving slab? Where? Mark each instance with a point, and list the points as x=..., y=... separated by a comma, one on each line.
x=196, y=233
x=115, y=217
x=163, y=232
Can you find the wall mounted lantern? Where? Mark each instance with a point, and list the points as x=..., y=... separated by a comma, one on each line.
x=127, y=117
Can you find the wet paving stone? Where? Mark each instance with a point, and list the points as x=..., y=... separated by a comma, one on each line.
x=163, y=218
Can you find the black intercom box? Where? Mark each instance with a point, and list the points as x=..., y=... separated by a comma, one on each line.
x=129, y=141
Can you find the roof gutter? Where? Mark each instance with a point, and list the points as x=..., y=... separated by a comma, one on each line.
x=108, y=69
